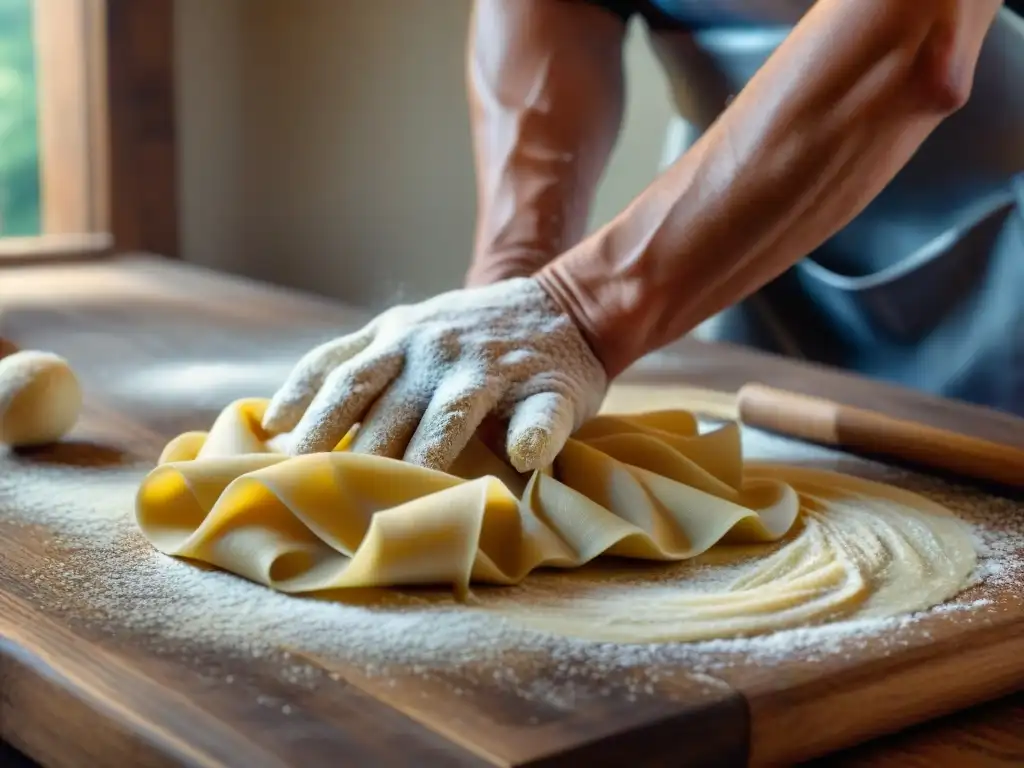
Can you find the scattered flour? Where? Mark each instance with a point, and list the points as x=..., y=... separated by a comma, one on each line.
x=97, y=571
x=954, y=607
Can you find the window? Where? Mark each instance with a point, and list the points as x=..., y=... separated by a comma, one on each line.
x=87, y=149
x=19, y=142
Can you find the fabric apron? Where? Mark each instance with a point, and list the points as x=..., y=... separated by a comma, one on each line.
x=925, y=288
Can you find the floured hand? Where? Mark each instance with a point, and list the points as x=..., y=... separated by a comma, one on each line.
x=420, y=379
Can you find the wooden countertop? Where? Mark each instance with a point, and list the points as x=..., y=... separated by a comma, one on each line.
x=73, y=694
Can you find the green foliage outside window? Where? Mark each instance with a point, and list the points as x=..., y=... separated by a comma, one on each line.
x=19, y=145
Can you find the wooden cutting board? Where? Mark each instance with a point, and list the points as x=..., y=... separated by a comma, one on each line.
x=74, y=690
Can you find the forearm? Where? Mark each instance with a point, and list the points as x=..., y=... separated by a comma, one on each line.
x=828, y=121
x=545, y=86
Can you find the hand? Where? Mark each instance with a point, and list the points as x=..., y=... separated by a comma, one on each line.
x=420, y=379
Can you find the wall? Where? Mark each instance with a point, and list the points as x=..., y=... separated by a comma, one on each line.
x=325, y=143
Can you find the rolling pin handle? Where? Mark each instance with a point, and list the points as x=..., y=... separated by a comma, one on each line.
x=825, y=422
x=789, y=413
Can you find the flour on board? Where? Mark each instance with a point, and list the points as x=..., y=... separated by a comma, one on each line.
x=98, y=569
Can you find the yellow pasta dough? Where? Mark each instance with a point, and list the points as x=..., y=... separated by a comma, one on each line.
x=642, y=487
x=40, y=398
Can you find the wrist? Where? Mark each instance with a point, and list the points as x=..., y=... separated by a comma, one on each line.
x=601, y=302
x=489, y=267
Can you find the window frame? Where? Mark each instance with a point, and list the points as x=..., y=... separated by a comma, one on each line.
x=107, y=134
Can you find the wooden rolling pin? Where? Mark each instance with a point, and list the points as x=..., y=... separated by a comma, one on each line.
x=859, y=430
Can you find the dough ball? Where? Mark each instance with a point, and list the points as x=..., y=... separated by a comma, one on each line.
x=40, y=398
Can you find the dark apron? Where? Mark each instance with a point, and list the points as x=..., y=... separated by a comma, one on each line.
x=926, y=287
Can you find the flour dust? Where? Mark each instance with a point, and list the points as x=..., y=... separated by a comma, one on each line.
x=97, y=571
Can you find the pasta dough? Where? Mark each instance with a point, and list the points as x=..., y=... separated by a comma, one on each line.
x=40, y=398
x=643, y=487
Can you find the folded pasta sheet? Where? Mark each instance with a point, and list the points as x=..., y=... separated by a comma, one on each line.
x=647, y=486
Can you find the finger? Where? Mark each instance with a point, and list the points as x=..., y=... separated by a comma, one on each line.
x=345, y=396
x=392, y=420
x=307, y=377
x=538, y=429
x=455, y=411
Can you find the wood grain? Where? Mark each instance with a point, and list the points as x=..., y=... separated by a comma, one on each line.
x=988, y=736
x=72, y=693
x=504, y=730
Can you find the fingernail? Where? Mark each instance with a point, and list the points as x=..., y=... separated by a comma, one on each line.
x=521, y=466
x=521, y=462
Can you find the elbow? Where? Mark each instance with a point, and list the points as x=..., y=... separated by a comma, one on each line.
x=950, y=95
x=945, y=83
x=943, y=73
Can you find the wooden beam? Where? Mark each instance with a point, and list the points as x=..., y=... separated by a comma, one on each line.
x=66, y=163
x=141, y=131
x=97, y=113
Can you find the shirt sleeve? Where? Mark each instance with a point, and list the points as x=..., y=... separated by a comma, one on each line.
x=624, y=9
x=654, y=17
